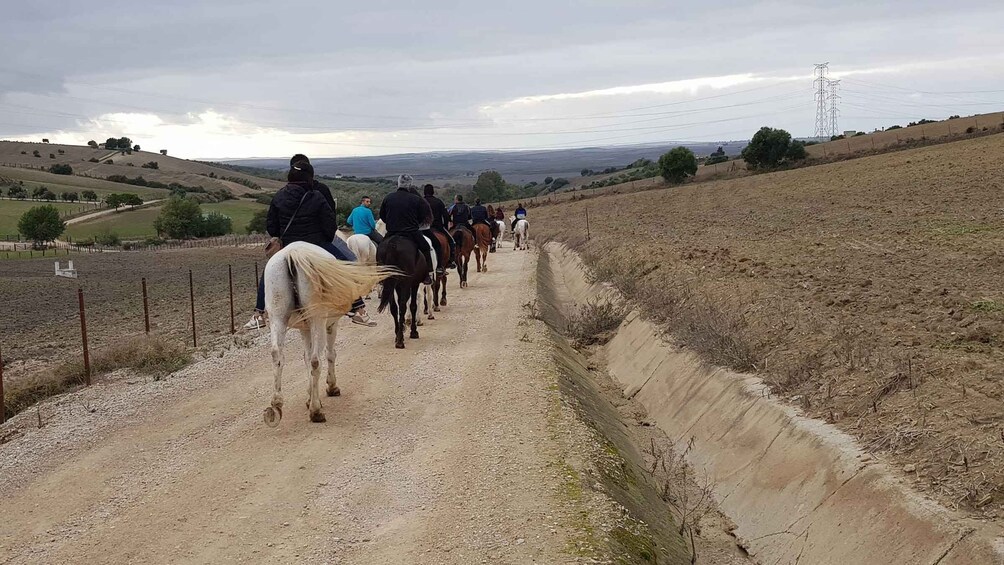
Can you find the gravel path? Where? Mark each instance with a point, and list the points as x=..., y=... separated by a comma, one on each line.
x=442, y=453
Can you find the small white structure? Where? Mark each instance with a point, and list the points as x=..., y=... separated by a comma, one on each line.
x=69, y=272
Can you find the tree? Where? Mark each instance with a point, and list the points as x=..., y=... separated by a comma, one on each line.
x=180, y=218
x=130, y=199
x=69, y=196
x=135, y=147
x=89, y=195
x=214, y=224
x=490, y=187
x=559, y=182
x=548, y=180
x=111, y=143
x=796, y=151
x=41, y=224
x=123, y=143
x=38, y=192
x=92, y=144
x=768, y=148
x=113, y=200
x=677, y=164
x=151, y=165
x=258, y=222
x=61, y=170
x=36, y=153
x=17, y=191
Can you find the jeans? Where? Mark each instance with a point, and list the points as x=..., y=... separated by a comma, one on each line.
x=339, y=250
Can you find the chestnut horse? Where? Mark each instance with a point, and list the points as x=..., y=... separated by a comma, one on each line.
x=465, y=244
x=439, y=281
x=483, y=237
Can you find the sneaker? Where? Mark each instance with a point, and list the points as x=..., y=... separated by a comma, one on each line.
x=363, y=319
x=258, y=321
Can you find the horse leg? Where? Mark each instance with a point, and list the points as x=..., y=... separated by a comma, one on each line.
x=333, y=389
x=414, y=313
x=317, y=343
x=436, y=284
x=484, y=261
x=429, y=299
x=442, y=301
x=273, y=414
x=402, y=306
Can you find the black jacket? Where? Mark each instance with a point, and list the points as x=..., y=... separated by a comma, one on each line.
x=314, y=222
x=479, y=213
x=439, y=215
x=461, y=214
x=325, y=192
x=403, y=211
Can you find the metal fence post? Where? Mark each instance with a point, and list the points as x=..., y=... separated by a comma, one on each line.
x=83, y=337
x=146, y=309
x=587, y=225
x=191, y=296
x=230, y=277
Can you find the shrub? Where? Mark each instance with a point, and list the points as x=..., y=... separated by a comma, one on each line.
x=770, y=147
x=106, y=236
x=677, y=164
x=17, y=191
x=180, y=218
x=970, y=129
x=36, y=153
x=594, y=323
x=41, y=224
x=548, y=180
x=890, y=128
x=151, y=165
x=258, y=222
x=61, y=170
x=859, y=134
x=89, y=195
x=215, y=223
x=94, y=160
x=69, y=196
x=92, y=144
x=109, y=162
x=559, y=182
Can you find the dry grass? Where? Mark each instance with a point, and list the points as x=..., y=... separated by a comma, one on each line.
x=595, y=323
x=865, y=291
x=149, y=355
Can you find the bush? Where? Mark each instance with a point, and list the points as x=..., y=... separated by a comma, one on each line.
x=770, y=147
x=41, y=224
x=595, y=322
x=17, y=191
x=69, y=196
x=106, y=236
x=180, y=218
x=61, y=170
x=718, y=156
x=89, y=195
x=52, y=155
x=859, y=134
x=796, y=151
x=36, y=153
x=677, y=164
x=94, y=160
x=258, y=222
x=215, y=223
x=970, y=129
x=92, y=144
x=559, y=182
x=890, y=128
x=548, y=180
x=151, y=165
x=109, y=162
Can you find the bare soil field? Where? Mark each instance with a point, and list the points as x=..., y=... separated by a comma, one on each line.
x=867, y=292
x=39, y=321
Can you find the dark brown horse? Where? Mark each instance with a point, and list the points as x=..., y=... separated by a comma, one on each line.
x=483, y=237
x=465, y=245
x=401, y=253
x=439, y=281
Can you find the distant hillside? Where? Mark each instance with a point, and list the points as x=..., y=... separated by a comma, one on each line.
x=516, y=166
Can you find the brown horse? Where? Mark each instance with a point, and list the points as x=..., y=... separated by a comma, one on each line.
x=483, y=235
x=439, y=281
x=465, y=244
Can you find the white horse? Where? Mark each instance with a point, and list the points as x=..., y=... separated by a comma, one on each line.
x=521, y=234
x=309, y=290
x=502, y=229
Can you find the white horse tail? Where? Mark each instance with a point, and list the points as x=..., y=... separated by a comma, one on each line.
x=328, y=287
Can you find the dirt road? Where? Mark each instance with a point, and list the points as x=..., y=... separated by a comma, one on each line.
x=441, y=453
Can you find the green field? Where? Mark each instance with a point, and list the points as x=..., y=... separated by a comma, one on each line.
x=11, y=211
x=133, y=224
x=128, y=224
x=240, y=211
x=73, y=183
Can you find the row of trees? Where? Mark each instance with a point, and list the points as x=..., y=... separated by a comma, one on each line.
x=769, y=148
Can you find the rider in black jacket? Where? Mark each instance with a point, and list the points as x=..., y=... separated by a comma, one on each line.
x=440, y=218
x=405, y=213
x=461, y=214
x=479, y=215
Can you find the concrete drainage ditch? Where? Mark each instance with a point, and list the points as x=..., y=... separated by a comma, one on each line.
x=798, y=490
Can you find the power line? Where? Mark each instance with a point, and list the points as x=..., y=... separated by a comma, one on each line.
x=821, y=82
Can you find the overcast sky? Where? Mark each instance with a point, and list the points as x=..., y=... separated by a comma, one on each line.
x=263, y=78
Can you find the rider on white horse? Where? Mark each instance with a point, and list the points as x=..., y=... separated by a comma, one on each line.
x=300, y=212
x=520, y=215
x=362, y=222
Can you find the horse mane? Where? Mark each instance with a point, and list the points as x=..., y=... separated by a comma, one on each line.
x=331, y=285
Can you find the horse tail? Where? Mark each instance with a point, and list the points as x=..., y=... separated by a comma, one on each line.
x=328, y=286
x=386, y=294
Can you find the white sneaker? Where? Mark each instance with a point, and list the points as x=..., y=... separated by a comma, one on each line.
x=258, y=321
x=363, y=319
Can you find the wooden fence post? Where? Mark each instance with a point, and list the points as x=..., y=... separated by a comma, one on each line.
x=83, y=337
x=191, y=296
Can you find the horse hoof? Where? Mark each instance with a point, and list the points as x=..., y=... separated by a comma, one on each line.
x=435, y=309
x=399, y=345
x=334, y=391
x=413, y=335
x=272, y=416
x=443, y=302
x=431, y=317
x=317, y=417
